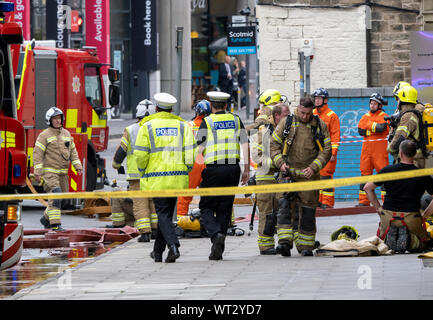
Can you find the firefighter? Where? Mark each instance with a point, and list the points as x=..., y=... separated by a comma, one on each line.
x=401, y=224
x=267, y=100
x=202, y=109
x=332, y=121
x=54, y=150
x=267, y=203
x=300, y=147
x=409, y=125
x=144, y=215
x=374, y=156
x=221, y=138
x=165, y=151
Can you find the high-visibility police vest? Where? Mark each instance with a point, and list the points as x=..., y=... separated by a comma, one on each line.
x=223, y=135
x=131, y=164
x=165, y=151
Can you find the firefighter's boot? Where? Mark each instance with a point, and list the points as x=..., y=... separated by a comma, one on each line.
x=268, y=252
x=403, y=240
x=284, y=249
x=45, y=222
x=56, y=227
x=391, y=238
x=306, y=253
x=145, y=237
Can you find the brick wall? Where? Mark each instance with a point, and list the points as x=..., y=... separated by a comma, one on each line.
x=339, y=42
x=339, y=47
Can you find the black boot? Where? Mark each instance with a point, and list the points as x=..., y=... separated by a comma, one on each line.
x=284, y=249
x=145, y=237
x=306, y=253
x=156, y=256
x=268, y=252
x=217, y=247
x=391, y=238
x=45, y=222
x=173, y=254
x=403, y=240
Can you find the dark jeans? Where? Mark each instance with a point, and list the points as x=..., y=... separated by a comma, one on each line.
x=166, y=235
x=216, y=211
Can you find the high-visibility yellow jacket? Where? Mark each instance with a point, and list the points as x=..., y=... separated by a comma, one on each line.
x=223, y=137
x=54, y=149
x=165, y=151
x=127, y=144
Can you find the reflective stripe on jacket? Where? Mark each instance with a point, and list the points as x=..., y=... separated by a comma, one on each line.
x=54, y=149
x=223, y=136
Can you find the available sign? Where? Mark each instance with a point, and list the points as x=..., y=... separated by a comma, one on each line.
x=241, y=40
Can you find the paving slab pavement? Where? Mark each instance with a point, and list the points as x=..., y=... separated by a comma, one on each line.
x=127, y=272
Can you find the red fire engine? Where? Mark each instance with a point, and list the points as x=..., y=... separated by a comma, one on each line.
x=13, y=158
x=71, y=80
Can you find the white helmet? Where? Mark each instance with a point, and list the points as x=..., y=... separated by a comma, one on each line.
x=145, y=108
x=52, y=112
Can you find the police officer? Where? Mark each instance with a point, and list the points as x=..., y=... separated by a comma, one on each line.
x=221, y=137
x=409, y=124
x=143, y=208
x=165, y=151
x=267, y=203
x=54, y=150
x=300, y=147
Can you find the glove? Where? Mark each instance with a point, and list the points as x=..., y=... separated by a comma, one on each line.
x=121, y=170
x=362, y=132
x=380, y=127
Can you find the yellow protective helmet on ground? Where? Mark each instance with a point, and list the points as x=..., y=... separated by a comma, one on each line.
x=187, y=223
x=345, y=232
x=398, y=86
x=407, y=94
x=270, y=96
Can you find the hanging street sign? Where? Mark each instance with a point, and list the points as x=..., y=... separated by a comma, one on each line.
x=241, y=40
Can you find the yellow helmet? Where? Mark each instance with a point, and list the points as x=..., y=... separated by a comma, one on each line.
x=398, y=86
x=270, y=96
x=187, y=223
x=407, y=94
x=429, y=228
x=345, y=232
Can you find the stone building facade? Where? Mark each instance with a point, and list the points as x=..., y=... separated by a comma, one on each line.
x=356, y=44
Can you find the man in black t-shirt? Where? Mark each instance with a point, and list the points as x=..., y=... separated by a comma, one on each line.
x=401, y=224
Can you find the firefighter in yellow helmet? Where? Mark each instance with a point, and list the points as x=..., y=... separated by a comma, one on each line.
x=267, y=203
x=144, y=214
x=267, y=100
x=408, y=124
x=54, y=150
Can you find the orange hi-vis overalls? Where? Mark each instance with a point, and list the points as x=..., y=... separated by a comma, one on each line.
x=374, y=154
x=333, y=123
x=195, y=173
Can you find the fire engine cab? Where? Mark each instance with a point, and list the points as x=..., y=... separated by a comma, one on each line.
x=71, y=80
x=13, y=159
